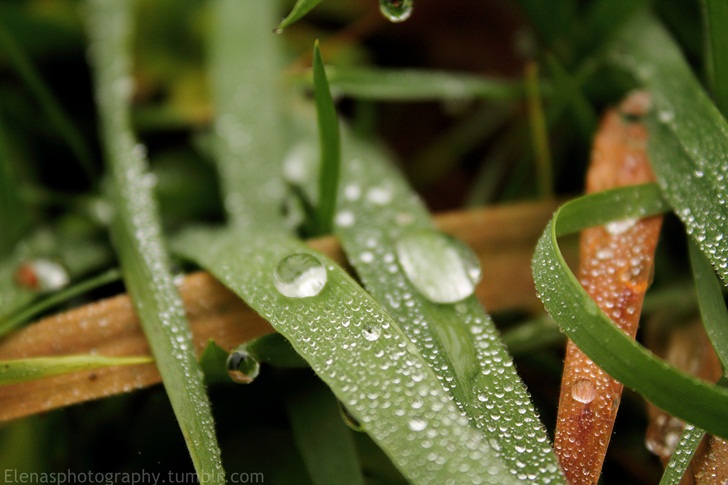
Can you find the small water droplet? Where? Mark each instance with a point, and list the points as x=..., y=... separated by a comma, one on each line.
x=371, y=333
x=41, y=275
x=583, y=391
x=299, y=275
x=345, y=219
x=242, y=367
x=396, y=10
x=442, y=268
x=417, y=424
x=616, y=228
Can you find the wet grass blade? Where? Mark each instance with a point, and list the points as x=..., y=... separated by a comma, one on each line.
x=23, y=370
x=356, y=349
x=137, y=236
x=583, y=322
x=325, y=443
x=245, y=78
x=329, y=146
x=683, y=454
x=715, y=18
x=299, y=10
x=418, y=85
x=688, y=136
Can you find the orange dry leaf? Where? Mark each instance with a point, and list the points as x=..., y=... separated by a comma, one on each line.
x=616, y=263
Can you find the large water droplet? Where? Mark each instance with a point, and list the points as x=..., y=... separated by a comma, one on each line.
x=662, y=435
x=371, y=333
x=41, y=275
x=348, y=418
x=417, y=424
x=396, y=10
x=442, y=268
x=299, y=275
x=242, y=367
x=583, y=391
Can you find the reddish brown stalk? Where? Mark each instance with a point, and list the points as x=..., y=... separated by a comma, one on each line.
x=616, y=263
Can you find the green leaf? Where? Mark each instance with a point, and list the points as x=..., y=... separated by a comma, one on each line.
x=212, y=363
x=137, y=236
x=245, y=77
x=324, y=441
x=299, y=10
x=356, y=349
x=539, y=133
x=29, y=369
x=688, y=141
x=715, y=17
x=594, y=333
x=682, y=455
x=329, y=146
x=417, y=85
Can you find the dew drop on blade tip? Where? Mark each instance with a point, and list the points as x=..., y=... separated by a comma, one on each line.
x=300, y=275
x=396, y=10
x=242, y=367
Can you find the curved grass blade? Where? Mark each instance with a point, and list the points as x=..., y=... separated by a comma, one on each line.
x=683, y=454
x=137, y=236
x=245, y=78
x=358, y=351
x=324, y=441
x=417, y=85
x=329, y=146
x=715, y=18
x=459, y=340
x=299, y=10
x=584, y=323
x=23, y=370
x=688, y=136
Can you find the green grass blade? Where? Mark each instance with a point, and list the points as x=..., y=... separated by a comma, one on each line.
x=376, y=209
x=23, y=370
x=594, y=333
x=681, y=456
x=715, y=16
x=137, y=236
x=323, y=439
x=688, y=136
x=245, y=78
x=418, y=85
x=14, y=215
x=711, y=302
x=299, y=10
x=60, y=120
x=329, y=146
x=539, y=133
x=358, y=351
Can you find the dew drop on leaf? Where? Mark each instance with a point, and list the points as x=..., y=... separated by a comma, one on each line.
x=371, y=333
x=348, y=418
x=299, y=275
x=417, y=424
x=583, y=391
x=442, y=268
x=396, y=10
x=242, y=367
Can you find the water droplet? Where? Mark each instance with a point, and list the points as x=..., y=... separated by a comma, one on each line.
x=442, y=268
x=242, y=367
x=371, y=333
x=345, y=219
x=619, y=227
x=396, y=10
x=299, y=275
x=583, y=391
x=348, y=418
x=663, y=434
x=417, y=424
x=41, y=275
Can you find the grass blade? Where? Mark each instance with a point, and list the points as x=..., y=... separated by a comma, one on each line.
x=688, y=136
x=358, y=351
x=417, y=85
x=539, y=133
x=324, y=441
x=23, y=370
x=137, y=236
x=299, y=10
x=715, y=16
x=584, y=323
x=329, y=146
x=683, y=454
x=244, y=74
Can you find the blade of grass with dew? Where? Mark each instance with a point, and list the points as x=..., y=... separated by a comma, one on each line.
x=329, y=146
x=407, y=85
x=594, y=333
x=245, y=81
x=137, y=237
x=357, y=350
x=55, y=114
x=23, y=370
x=299, y=10
x=715, y=18
x=688, y=136
x=376, y=210
x=682, y=455
x=326, y=443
